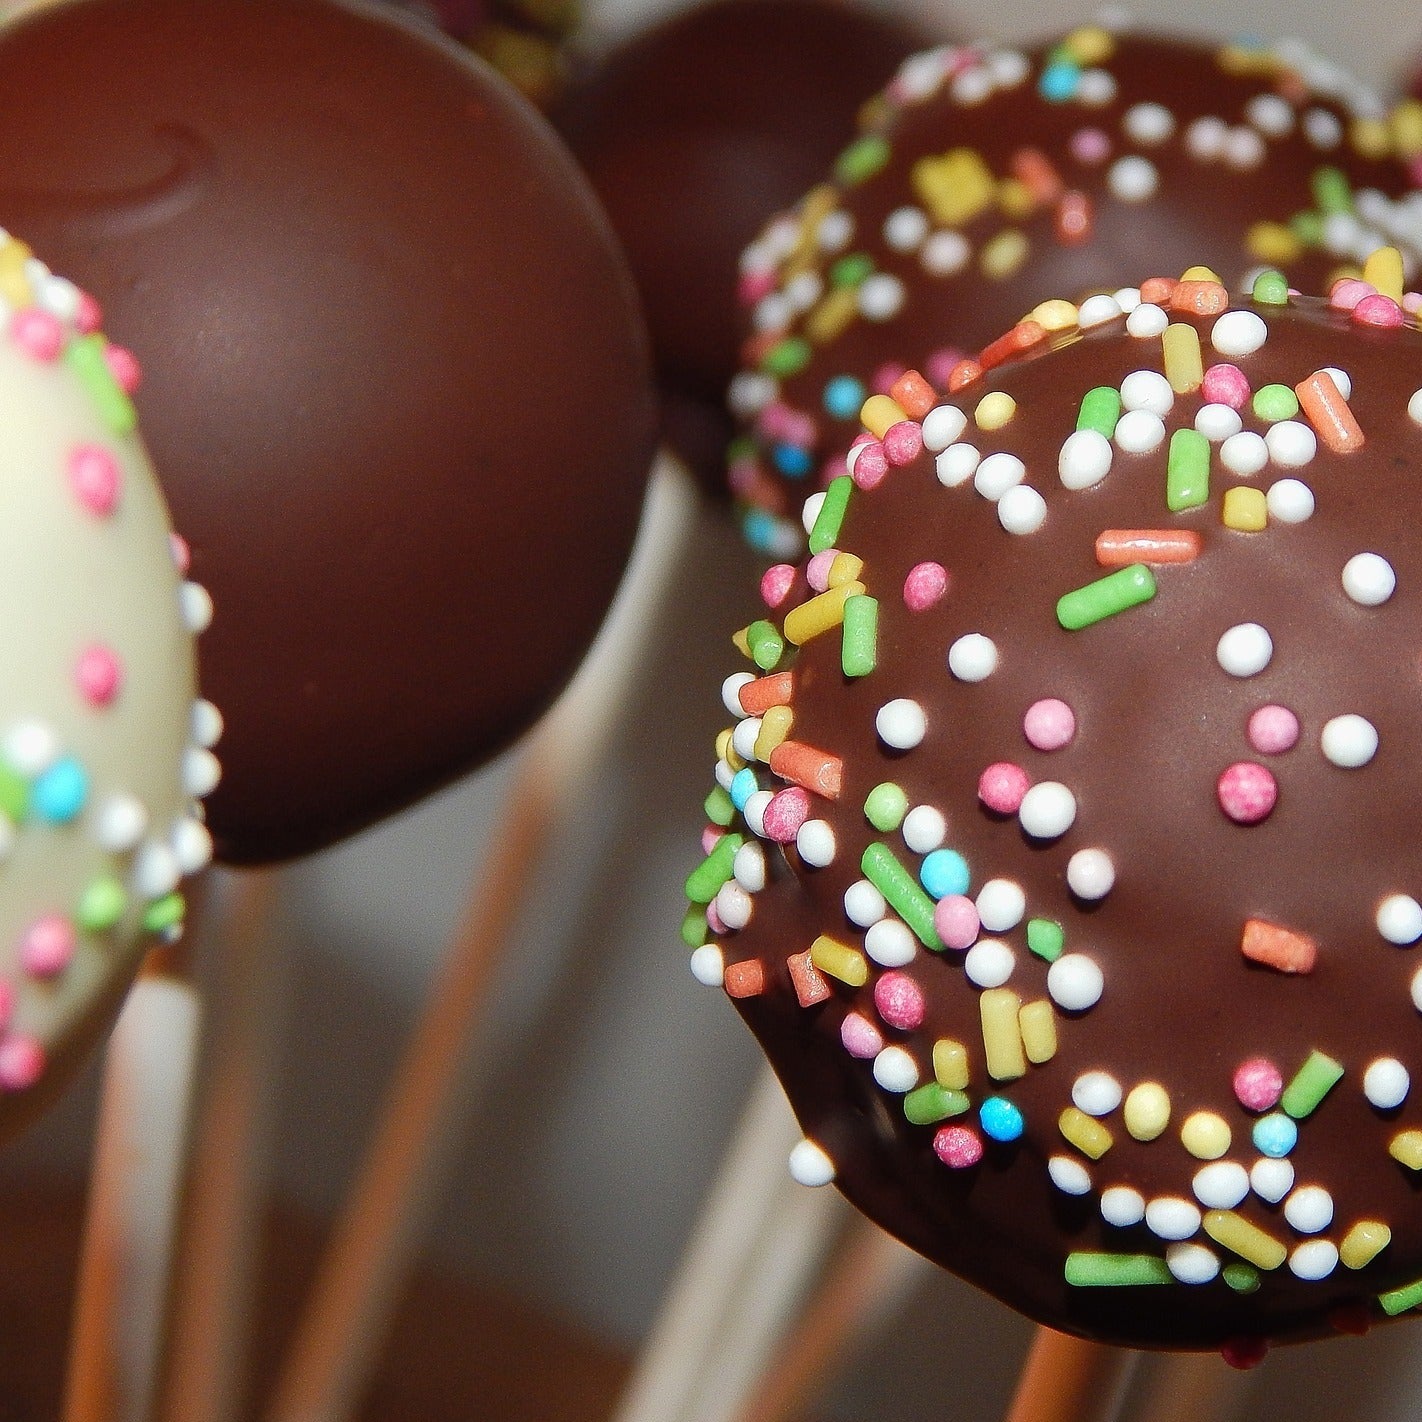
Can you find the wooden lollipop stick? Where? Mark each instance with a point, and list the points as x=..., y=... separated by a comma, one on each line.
x=339, y=1335
x=1068, y=1379
x=1188, y=1387
x=215, y=1271
x=134, y=1190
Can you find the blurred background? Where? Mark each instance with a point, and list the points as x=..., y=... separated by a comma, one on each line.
x=605, y=1081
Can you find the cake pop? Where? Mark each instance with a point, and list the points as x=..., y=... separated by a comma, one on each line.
x=694, y=133
x=1005, y=176
x=103, y=746
x=1062, y=857
x=393, y=372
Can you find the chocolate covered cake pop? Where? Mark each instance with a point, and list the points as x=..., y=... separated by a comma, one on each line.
x=1064, y=857
x=103, y=747
x=394, y=374
x=696, y=132
x=1003, y=177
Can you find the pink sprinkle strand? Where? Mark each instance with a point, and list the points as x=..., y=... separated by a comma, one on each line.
x=1273, y=729
x=957, y=1147
x=123, y=366
x=48, y=946
x=1226, y=385
x=776, y=582
x=860, y=1036
x=955, y=916
x=1049, y=724
x=98, y=675
x=95, y=478
x=21, y=1063
x=817, y=571
x=38, y=333
x=903, y=442
x=900, y=1001
x=786, y=812
x=1247, y=792
x=926, y=583
x=1258, y=1084
x=1001, y=787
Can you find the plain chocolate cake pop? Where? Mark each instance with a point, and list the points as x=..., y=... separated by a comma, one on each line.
x=1002, y=177
x=1064, y=857
x=694, y=134
x=394, y=374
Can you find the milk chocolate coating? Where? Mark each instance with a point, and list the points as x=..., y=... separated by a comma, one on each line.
x=1157, y=720
x=395, y=381
x=693, y=134
x=1202, y=210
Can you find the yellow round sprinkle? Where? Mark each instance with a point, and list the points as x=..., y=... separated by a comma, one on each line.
x=1054, y=315
x=1015, y=199
x=1004, y=254
x=1272, y=242
x=1245, y=509
x=880, y=413
x=1406, y=1149
x=995, y=410
x=1371, y=137
x=1200, y=274
x=1205, y=1135
x=1147, y=1110
x=1090, y=45
x=1406, y=120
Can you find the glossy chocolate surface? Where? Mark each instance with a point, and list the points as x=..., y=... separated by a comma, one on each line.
x=1158, y=719
x=694, y=134
x=395, y=383
x=1209, y=144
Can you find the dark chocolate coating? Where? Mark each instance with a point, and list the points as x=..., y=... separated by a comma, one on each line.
x=395, y=382
x=1201, y=212
x=693, y=134
x=1157, y=721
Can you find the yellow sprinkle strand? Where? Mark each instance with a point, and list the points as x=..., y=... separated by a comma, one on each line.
x=839, y=960
x=14, y=284
x=1002, y=1041
x=820, y=614
x=775, y=727
x=1004, y=254
x=1247, y=1240
x=1090, y=44
x=1184, y=366
x=1086, y=1133
x=845, y=568
x=1384, y=270
x=833, y=316
x=879, y=413
x=1245, y=509
x=1147, y=1110
x=995, y=410
x=1054, y=315
x=955, y=186
x=1406, y=1148
x=1363, y=1243
x=1406, y=122
x=1370, y=136
x=950, y=1064
x=1038, y=1025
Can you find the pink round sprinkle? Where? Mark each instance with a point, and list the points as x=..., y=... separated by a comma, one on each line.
x=957, y=1147
x=752, y=286
x=886, y=377
x=94, y=476
x=181, y=554
x=1049, y=724
x=713, y=919
x=1247, y=792
x=1378, y=310
x=88, y=315
x=710, y=837
x=1258, y=1084
x=1412, y=302
x=123, y=366
x=776, y=582
x=1001, y=787
x=1090, y=145
x=98, y=675
x=21, y=1063
x=1347, y=292
x=1225, y=385
x=903, y=442
x=925, y=584
x=1273, y=729
x=871, y=466
x=860, y=1036
x=787, y=811
x=939, y=366
x=48, y=946
x=38, y=333
x=900, y=1001
x=817, y=570
x=955, y=916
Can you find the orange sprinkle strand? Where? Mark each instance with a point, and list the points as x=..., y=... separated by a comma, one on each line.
x=1199, y=298
x=1120, y=547
x=913, y=394
x=809, y=983
x=1280, y=948
x=1033, y=169
x=964, y=373
x=745, y=979
x=1158, y=290
x=1076, y=219
x=1022, y=337
x=1329, y=412
x=758, y=696
x=813, y=769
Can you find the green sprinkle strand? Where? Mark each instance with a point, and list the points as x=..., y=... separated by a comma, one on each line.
x=165, y=914
x=85, y=355
x=693, y=927
x=1241, y=1277
x=14, y=795
x=831, y=514
x=1126, y=587
x=786, y=358
x=1331, y=191
x=931, y=1103
x=861, y=635
x=704, y=882
x=1087, y=1269
x=862, y=159
x=719, y=807
x=1397, y=1301
x=1187, y=471
x=902, y=892
x=1100, y=411
x=101, y=905
x=766, y=644
x=1045, y=938
x=851, y=271
x=1313, y=1081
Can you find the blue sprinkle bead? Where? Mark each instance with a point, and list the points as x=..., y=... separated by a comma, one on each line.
x=944, y=872
x=1059, y=82
x=1275, y=1135
x=743, y=787
x=1000, y=1119
x=792, y=461
x=761, y=530
x=61, y=792
x=844, y=397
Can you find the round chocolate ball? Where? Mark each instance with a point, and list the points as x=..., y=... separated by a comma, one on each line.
x=696, y=132
x=1005, y=176
x=1065, y=862
x=394, y=376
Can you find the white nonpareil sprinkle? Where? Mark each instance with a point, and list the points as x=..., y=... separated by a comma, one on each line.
x=1323, y=129
x=1085, y=459
x=1221, y=1185
x=1399, y=919
x=1090, y=875
x=1245, y=453
x=1132, y=179
x=835, y=231
x=1022, y=510
x=956, y=465
x=998, y=473
x=815, y=843
x=1271, y=1179
x=734, y=907
x=941, y=426
x=1001, y=905
x=1098, y=1093
x=1075, y=983
x=201, y=772
x=864, y=905
x=901, y=723
x=708, y=966
x=890, y=944
x=1368, y=579
x=1219, y=423
x=1309, y=1209
x=1139, y=432
x=1243, y=149
x=1173, y=1218
x=1097, y=310
x=809, y=1165
x=1292, y=444
x=1386, y=1083
x=1191, y=1263
x=748, y=867
x=1122, y=1206
x=1315, y=1260
x=1270, y=114
x=1096, y=87
x=1238, y=333
x=31, y=748
x=924, y=829
x=989, y=963
x=881, y=297
x=945, y=253
x=731, y=692
x=744, y=737
x=754, y=812
x=1349, y=741
x=1070, y=1176
x=1147, y=321
x=1048, y=810
x=1290, y=501
x=1148, y=123
x=1147, y=390
x=1205, y=138
x=905, y=228
x=810, y=510
x=895, y=1070
x=1414, y=407
x=1245, y=649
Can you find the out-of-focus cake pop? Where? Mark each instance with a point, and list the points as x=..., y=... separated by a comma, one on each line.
x=394, y=374
x=1064, y=858
x=694, y=133
x=1002, y=177
x=103, y=747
